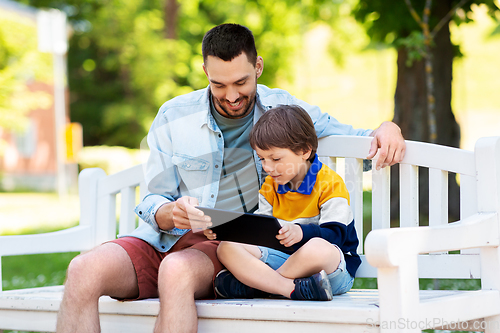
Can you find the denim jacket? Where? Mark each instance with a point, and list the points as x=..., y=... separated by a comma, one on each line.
x=186, y=153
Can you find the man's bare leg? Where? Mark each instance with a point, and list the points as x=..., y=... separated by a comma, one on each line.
x=183, y=277
x=105, y=270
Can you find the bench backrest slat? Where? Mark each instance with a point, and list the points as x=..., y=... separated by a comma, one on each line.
x=438, y=197
x=408, y=194
x=381, y=199
x=468, y=196
x=354, y=182
x=127, y=216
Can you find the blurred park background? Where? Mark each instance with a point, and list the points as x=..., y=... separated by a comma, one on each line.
x=362, y=61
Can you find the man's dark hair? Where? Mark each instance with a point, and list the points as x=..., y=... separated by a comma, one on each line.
x=227, y=41
x=285, y=126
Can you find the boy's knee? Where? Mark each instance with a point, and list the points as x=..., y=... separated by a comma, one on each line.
x=320, y=248
x=224, y=248
x=317, y=245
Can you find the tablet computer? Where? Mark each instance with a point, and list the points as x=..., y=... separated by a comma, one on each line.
x=246, y=228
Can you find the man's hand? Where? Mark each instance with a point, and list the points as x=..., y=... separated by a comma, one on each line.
x=290, y=234
x=389, y=143
x=182, y=214
x=186, y=216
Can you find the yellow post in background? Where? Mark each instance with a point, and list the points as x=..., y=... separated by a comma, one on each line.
x=74, y=141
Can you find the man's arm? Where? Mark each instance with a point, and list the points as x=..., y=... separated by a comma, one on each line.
x=387, y=138
x=164, y=216
x=163, y=208
x=389, y=143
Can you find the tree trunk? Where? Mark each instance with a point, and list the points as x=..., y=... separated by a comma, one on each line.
x=170, y=15
x=410, y=112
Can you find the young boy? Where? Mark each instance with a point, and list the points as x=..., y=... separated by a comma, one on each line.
x=312, y=204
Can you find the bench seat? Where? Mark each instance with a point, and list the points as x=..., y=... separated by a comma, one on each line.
x=355, y=311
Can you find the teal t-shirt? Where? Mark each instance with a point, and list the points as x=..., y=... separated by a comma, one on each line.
x=239, y=185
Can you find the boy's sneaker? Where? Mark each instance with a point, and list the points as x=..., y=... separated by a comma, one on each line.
x=314, y=288
x=227, y=286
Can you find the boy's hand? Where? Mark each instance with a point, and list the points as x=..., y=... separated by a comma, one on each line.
x=290, y=234
x=210, y=234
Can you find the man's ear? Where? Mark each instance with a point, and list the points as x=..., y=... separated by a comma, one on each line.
x=259, y=66
x=205, y=70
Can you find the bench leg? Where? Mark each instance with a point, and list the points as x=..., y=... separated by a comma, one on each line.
x=490, y=259
x=492, y=324
x=399, y=299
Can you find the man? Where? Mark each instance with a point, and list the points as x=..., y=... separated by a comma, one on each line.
x=200, y=155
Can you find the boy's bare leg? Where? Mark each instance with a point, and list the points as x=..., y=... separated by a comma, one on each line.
x=105, y=270
x=183, y=276
x=243, y=261
x=316, y=255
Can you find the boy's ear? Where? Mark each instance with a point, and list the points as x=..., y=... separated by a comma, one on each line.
x=307, y=153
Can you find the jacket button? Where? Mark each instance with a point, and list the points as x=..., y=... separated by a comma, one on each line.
x=216, y=166
x=212, y=196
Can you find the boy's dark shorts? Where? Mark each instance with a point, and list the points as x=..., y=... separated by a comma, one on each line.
x=146, y=259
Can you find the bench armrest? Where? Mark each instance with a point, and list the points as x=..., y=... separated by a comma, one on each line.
x=387, y=248
x=78, y=238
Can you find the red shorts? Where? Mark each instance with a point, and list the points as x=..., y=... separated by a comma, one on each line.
x=146, y=259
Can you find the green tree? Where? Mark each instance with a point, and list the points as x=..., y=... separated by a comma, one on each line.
x=496, y=31
x=391, y=23
x=20, y=64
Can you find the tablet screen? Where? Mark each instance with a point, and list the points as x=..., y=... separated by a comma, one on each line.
x=245, y=228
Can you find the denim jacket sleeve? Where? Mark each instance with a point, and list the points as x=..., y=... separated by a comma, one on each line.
x=324, y=124
x=147, y=209
x=159, y=173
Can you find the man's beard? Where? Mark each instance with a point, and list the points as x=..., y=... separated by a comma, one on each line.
x=230, y=114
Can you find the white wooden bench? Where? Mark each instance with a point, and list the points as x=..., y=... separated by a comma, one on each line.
x=396, y=256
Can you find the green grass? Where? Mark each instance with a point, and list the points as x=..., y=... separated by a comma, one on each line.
x=38, y=270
